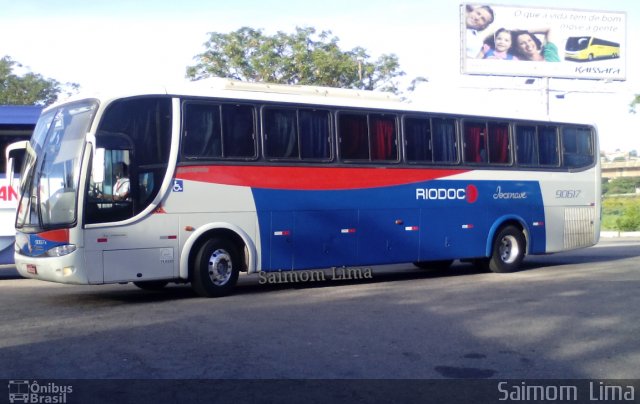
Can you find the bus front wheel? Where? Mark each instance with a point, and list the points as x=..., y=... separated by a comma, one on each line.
x=216, y=268
x=508, y=250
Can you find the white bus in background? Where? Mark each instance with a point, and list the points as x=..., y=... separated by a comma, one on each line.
x=16, y=125
x=271, y=179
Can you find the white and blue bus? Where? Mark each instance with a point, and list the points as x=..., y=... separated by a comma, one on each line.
x=16, y=125
x=236, y=177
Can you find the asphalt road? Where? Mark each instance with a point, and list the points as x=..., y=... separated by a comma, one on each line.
x=573, y=315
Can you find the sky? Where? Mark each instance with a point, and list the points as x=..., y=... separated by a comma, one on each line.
x=107, y=44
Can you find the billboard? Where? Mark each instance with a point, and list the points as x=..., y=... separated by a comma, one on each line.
x=542, y=42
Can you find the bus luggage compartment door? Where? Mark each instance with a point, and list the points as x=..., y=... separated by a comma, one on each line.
x=140, y=264
x=389, y=236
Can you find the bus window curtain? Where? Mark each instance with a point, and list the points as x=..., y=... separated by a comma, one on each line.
x=202, y=131
x=281, y=134
x=418, y=138
x=499, y=144
x=444, y=141
x=314, y=134
x=473, y=143
x=526, y=145
x=353, y=135
x=383, y=139
x=238, y=129
x=548, y=146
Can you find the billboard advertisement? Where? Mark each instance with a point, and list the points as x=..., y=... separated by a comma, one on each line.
x=543, y=42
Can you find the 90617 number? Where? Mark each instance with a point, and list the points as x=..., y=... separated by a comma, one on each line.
x=568, y=193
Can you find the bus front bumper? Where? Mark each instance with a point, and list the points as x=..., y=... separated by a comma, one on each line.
x=65, y=269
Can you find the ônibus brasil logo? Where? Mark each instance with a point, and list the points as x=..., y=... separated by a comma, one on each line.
x=469, y=193
x=31, y=391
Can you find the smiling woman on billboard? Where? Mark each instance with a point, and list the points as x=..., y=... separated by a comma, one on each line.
x=529, y=47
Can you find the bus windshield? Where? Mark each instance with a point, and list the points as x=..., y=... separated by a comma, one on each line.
x=51, y=170
x=577, y=43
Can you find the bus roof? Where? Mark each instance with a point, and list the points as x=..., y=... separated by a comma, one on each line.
x=19, y=114
x=223, y=88
x=240, y=90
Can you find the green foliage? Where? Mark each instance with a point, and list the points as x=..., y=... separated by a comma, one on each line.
x=636, y=101
x=28, y=89
x=630, y=220
x=622, y=185
x=621, y=213
x=304, y=57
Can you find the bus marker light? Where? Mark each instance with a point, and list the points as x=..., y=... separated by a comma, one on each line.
x=102, y=240
x=538, y=224
x=282, y=233
x=189, y=228
x=411, y=228
x=467, y=226
x=347, y=231
x=168, y=237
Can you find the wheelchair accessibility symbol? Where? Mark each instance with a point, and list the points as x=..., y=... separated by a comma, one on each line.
x=177, y=186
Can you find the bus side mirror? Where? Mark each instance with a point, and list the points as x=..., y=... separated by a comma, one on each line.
x=14, y=153
x=97, y=167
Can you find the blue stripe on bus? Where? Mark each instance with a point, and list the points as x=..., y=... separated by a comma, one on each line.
x=432, y=220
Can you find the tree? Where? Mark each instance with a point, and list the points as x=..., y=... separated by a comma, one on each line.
x=30, y=88
x=304, y=57
x=635, y=102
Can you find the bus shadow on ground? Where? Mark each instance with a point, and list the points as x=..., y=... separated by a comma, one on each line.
x=256, y=283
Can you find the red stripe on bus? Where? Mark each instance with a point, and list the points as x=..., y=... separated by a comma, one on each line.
x=59, y=236
x=311, y=178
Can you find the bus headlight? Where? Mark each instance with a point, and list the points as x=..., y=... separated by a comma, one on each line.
x=61, y=250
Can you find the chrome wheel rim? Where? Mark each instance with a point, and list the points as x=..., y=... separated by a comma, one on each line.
x=220, y=267
x=509, y=249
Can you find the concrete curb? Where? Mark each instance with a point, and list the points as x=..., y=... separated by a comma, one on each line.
x=620, y=234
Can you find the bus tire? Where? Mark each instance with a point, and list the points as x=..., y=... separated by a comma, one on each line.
x=443, y=264
x=151, y=285
x=507, y=251
x=216, y=268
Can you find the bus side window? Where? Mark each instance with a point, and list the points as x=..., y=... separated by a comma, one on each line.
x=418, y=145
x=201, y=136
x=475, y=142
x=526, y=145
x=280, y=133
x=499, y=145
x=445, y=149
x=238, y=131
x=315, y=134
x=577, y=147
x=383, y=137
x=548, y=146
x=354, y=141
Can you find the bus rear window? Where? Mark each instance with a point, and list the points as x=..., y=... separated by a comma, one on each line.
x=577, y=147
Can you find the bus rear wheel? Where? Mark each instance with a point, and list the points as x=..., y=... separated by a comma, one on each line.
x=507, y=251
x=216, y=268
